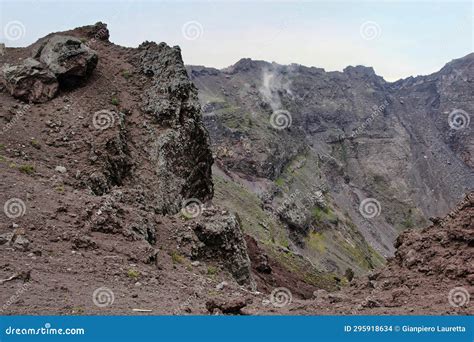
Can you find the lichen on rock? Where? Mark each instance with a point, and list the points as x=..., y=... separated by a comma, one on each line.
x=181, y=153
x=221, y=238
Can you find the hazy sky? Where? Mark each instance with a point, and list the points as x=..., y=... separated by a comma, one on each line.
x=397, y=38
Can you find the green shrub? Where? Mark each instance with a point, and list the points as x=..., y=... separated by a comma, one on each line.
x=132, y=273
x=28, y=169
x=326, y=214
x=126, y=74
x=408, y=222
x=177, y=258
x=280, y=181
x=35, y=143
x=115, y=101
x=212, y=270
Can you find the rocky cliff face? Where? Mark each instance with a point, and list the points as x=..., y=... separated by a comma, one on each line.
x=180, y=154
x=340, y=162
x=102, y=143
x=170, y=160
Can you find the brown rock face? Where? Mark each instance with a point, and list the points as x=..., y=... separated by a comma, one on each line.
x=444, y=249
x=98, y=31
x=30, y=81
x=432, y=271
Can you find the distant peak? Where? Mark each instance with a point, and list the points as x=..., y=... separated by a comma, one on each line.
x=359, y=70
x=244, y=64
x=463, y=61
x=459, y=68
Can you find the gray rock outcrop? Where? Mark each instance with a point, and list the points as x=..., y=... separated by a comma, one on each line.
x=221, y=238
x=181, y=154
x=69, y=59
x=59, y=61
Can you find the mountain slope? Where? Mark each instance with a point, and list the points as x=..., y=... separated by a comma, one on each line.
x=321, y=150
x=105, y=164
x=430, y=274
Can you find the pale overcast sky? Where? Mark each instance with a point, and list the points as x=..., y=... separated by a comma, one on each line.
x=397, y=38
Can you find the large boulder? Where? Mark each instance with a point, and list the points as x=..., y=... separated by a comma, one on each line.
x=221, y=238
x=30, y=81
x=60, y=61
x=69, y=59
